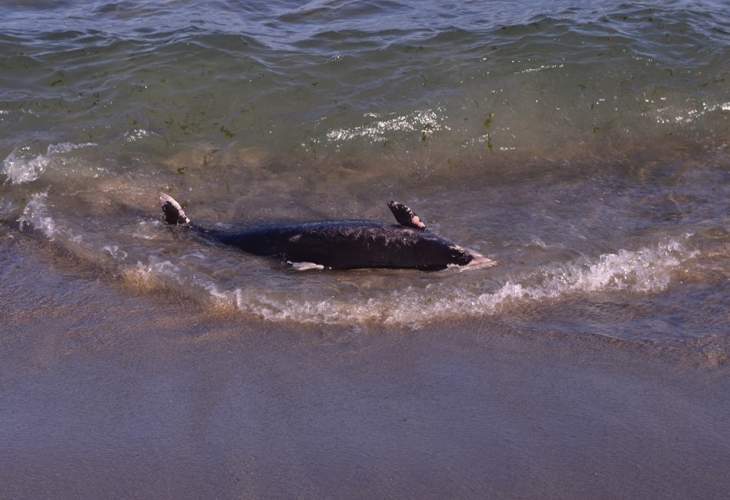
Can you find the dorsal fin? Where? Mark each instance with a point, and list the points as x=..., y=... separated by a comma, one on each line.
x=405, y=216
x=172, y=212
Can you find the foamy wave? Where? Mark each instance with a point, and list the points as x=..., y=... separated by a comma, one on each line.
x=115, y=252
x=138, y=134
x=160, y=268
x=20, y=170
x=672, y=115
x=425, y=122
x=641, y=271
x=22, y=166
x=644, y=270
x=647, y=270
x=36, y=214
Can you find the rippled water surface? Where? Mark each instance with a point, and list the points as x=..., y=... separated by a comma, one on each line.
x=582, y=146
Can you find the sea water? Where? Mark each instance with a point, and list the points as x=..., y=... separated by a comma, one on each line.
x=581, y=145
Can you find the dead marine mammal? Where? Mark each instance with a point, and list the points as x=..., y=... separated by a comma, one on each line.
x=340, y=244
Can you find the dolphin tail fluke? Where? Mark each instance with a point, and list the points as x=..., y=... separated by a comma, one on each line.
x=172, y=213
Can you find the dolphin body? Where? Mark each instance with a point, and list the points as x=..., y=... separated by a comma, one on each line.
x=346, y=244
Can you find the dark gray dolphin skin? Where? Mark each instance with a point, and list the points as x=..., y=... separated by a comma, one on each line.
x=347, y=244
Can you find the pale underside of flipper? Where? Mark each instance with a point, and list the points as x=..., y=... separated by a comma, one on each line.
x=305, y=266
x=405, y=216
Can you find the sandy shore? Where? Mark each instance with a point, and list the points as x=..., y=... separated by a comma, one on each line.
x=106, y=393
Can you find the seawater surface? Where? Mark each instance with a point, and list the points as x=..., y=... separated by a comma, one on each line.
x=582, y=146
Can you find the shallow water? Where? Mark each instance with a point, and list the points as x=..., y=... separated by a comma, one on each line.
x=581, y=147
x=108, y=392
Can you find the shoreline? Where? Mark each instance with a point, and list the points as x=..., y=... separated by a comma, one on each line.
x=153, y=397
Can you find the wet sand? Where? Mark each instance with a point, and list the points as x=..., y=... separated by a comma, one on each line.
x=107, y=391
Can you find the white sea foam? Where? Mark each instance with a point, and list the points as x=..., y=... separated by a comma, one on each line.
x=671, y=114
x=36, y=214
x=20, y=170
x=115, y=252
x=647, y=270
x=164, y=268
x=425, y=122
x=22, y=166
x=147, y=230
x=541, y=68
x=138, y=134
x=67, y=147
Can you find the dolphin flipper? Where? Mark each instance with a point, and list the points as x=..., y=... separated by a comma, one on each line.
x=172, y=213
x=405, y=216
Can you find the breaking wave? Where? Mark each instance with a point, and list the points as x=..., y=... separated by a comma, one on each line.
x=23, y=165
x=646, y=270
